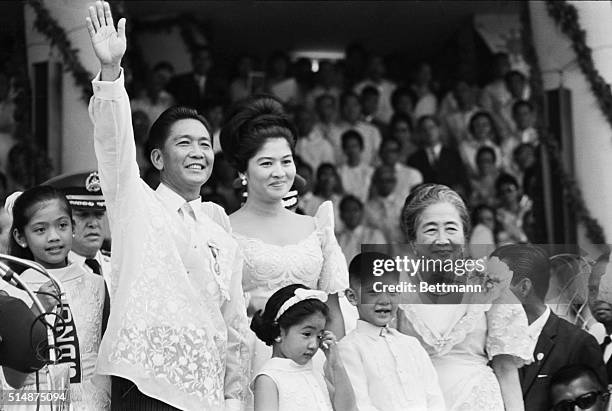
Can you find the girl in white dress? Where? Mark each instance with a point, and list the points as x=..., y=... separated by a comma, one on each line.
x=42, y=231
x=476, y=348
x=279, y=246
x=293, y=324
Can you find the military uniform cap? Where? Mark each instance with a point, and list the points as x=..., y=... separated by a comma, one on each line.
x=81, y=189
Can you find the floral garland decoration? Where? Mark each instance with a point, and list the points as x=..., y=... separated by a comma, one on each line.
x=566, y=17
x=573, y=194
x=48, y=26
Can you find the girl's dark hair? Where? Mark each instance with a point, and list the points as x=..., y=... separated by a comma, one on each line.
x=160, y=130
x=251, y=122
x=263, y=323
x=25, y=207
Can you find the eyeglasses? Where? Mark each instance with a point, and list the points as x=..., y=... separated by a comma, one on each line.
x=583, y=402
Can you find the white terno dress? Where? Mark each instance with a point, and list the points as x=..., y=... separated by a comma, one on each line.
x=300, y=387
x=316, y=261
x=461, y=339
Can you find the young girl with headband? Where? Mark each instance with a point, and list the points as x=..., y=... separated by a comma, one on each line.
x=293, y=323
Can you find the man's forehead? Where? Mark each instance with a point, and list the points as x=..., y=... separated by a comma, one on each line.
x=576, y=388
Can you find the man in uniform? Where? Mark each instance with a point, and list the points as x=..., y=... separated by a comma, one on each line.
x=89, y=211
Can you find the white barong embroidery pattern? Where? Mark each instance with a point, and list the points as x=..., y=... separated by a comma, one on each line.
x=175, y=337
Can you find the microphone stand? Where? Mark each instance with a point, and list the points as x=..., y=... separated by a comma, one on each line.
x=13, y=278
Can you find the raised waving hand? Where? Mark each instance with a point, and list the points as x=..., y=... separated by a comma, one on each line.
x=109, y=44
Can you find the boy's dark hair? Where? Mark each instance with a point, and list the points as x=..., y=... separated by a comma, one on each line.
x=504, y=179
x=361, y=269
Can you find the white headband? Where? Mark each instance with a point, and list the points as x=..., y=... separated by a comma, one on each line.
x=301, y=294
x=10, y=202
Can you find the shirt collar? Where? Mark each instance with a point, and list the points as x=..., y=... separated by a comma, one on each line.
x=80, y=260
x=172, y=201
x=372, y=331
x=535, y=328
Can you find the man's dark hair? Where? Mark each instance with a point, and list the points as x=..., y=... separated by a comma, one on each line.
x=569, y=373
x=527, y=261
x=160, y=129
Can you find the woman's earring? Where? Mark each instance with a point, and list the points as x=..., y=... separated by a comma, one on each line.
x=278, y=339
x=243, y=179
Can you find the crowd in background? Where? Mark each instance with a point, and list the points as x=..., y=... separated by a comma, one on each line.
x=365, y=141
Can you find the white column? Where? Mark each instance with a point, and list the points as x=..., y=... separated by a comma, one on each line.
x=592, y=133
x=70, y=130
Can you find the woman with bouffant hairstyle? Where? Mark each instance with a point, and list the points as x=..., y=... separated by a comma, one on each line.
x=279, y=246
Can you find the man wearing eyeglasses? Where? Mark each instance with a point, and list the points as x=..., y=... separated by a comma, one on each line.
x=578, y=386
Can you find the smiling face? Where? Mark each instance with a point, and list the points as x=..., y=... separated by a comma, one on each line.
x=439, y=232
x=271, y=171
x=187, y=158
x=88, y=235
x=376, y=307
x=48, y=234
x=300, y=342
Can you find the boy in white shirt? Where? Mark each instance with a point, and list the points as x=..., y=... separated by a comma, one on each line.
x=388, y=370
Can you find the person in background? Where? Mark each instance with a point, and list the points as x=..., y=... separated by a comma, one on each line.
x=155, y=98
x=325, y=84
x=213, y=112
x=384, y=208
x=190, y=89
x=376, y=71
x=370, y=101
x=305, y=194
x=407, y=177
x=350, y=109
x=483, y=132
x=524, y=133
x=483, y=183
x=402, y=102
x=241, y=86
x=388, y=370
x=558, y=342
x=457, y=121
x=512, y=207
x=311, y=146
x=279, y=81
x=328, y=187
x=436, y=162
x=577, y=386
x=355, y=231
x=326, y=107
x=400, y=128
x=422, y=85
x=141, y=124
x=355, y=175
x=518, y=87
x=482, y=238
x=495, y=93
